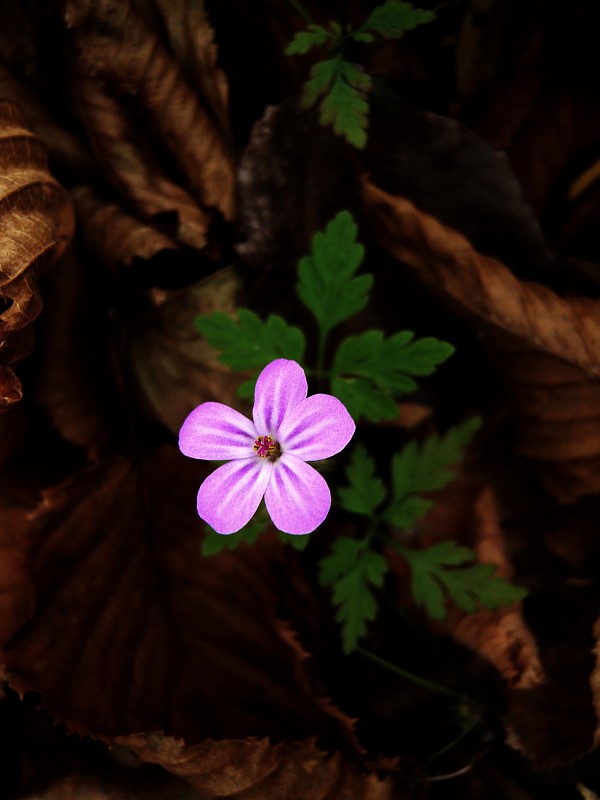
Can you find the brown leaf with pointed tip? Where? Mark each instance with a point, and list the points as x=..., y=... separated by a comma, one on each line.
x=257, y=770
x=174, y=366
x=151, y=785
x=502, y=636
x=36, y=224
x=116, y=41
x=547, y=347
x=131, y=166
x=135, y=631
x=113, y=235
x=191, y=40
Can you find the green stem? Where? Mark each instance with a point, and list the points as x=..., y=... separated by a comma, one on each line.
x=302, y=11
x=410, y=676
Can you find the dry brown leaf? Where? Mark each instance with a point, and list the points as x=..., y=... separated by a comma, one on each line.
x=154, y=786
x=547, y=347
x=115, y=41
x=16, y=590
x=175, y=368
x=502, y=637
x=191, y=39
x=595, y=682
x=36, y=224
x=132, y=168
x=257, y=770
x=134, y=631
x=65, y=149
x=114, y=236
x=74, y=381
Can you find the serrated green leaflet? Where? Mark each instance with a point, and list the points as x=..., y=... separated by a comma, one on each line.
x=386, y=364
x=392, y=18
x=326, y=283
x=425, y=468
x=313, y=36
x=437, y=571
x=363, y=400
x=216, y=542
x=249, y=343
x=366, y=490
x=343, y=87
x=352, y=569
x=297, y=542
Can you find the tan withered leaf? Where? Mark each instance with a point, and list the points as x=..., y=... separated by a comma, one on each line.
x=174, y=367
x=191, y=39
x=257, y=770
x=118, y=42
x=502, y=636
x=36, y=224
x=134, y=786
x=135, y=631
x=130, y=164
x=114, y=236
x=74, y=380
x=547, y=347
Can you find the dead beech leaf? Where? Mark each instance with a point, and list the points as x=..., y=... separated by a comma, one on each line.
x=36, y=224
x=136, y=786
x=116, y=41
x=134, y=631
x=254, y=769
x=502, y=636
x=191, y=39
x=16, y=590
x=74, y=380
x=174, y=367
x=131, y=166
x=547, y=347
x=112, y=234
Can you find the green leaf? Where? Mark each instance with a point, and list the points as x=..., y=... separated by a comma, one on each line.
x=295, y=541
x=352, y=568
x=392, y=18
x=313, y=36
x=438, y=570
x=425, y=468
x=342, y=87
x=363, y=400
x=217, y=542
x=388, y=363
x=366, y=491
x=248, y=343
x=326, y=283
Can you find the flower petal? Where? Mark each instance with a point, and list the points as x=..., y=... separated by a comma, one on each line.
x=215, y=431
x=318, y=427
x=297, y=497
x=229, y=497
x=280, y=386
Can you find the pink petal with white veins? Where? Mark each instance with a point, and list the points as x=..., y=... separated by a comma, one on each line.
x=229, y=497
x=297, y=497
x=279, y=388
x=318, y=427
x=215, y=431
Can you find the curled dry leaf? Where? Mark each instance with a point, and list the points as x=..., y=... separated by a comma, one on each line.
x=191, y=40
x=502, y=637
x=115, y=42
x=113, y=235
x=252, y=769
x=74, y=381
x=547, y=347
x=36, y=224
x=151, y=785
x=130, y=164
x=173, y=365
x=134, y=631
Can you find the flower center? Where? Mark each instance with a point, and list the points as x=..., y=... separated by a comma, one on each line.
x=265, y=447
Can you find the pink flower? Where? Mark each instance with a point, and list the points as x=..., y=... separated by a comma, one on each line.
x=267, y=457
